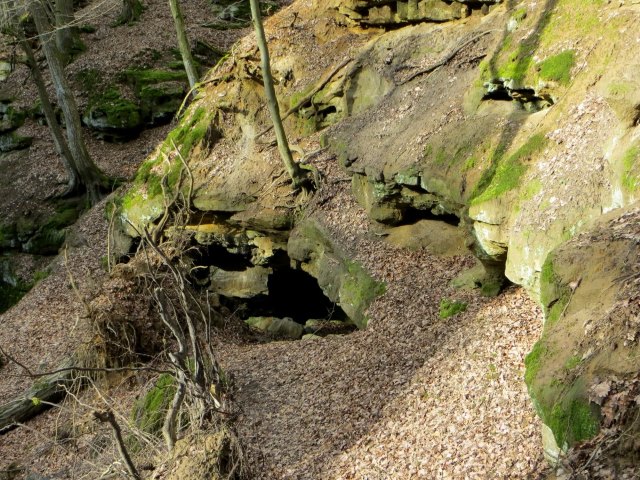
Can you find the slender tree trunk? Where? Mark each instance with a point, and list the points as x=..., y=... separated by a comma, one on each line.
x=67, y=34
x=91, y=178
x=293, y=169
x=56, y=132
x=183, y=44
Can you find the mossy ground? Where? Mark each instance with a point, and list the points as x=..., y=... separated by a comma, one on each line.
x=449, y=308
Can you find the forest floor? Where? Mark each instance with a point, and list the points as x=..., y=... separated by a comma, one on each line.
x=413, y=396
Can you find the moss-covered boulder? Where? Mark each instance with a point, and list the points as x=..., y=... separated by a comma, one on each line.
x=588, y=355
x=11, y=118
x=41, y=233
x=113, y=118
x=160, y=102
x=12, y=141
x=343, y=281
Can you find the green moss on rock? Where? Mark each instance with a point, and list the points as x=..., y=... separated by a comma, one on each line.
x=558, y=67
x=140, y=78
x=149, y=411
x=342, y=280
x=630, y=179
x=144, y=202
x=505, y=175
x=113, y=117
x=554, y=294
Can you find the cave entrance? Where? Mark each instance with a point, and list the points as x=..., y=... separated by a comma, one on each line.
x=293, y=294
x=269, y=297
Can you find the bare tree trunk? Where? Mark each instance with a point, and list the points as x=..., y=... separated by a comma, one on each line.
x=56, y=132
x=297, y=175
x=91, y=178
x=131, y=11
x=183, y=44
x=67, y=34
x=45, y=390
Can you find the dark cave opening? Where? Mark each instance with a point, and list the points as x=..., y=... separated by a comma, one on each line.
x=414, y=215
x=292, y=293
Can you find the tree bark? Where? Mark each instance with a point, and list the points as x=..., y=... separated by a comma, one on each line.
x=46, y=389
x=56, y=132
x=67, y=34
x=183, y=45
x=293, y=169
x=91, y=178
x=131, y=10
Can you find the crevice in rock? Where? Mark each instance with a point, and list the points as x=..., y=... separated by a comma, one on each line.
x=414, y=215
x=503, y=90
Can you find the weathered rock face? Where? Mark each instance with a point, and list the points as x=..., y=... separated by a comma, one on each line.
x=278, y=327
x=587, y=358
x=516, y=123
x=342, y=281
x=245, y=284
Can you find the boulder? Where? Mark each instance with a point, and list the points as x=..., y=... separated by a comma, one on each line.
x=113, y=118
x=244, y=284
x=12, y=141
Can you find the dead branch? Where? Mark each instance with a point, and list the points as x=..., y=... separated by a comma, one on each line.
x=108, y=417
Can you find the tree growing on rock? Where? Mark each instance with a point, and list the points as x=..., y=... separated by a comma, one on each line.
x=297, y=174
x=183, y=44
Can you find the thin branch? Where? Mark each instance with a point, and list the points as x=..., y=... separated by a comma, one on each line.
x=108, y=417
x=32, y=374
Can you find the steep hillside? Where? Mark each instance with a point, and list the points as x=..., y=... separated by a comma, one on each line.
x=356, y=335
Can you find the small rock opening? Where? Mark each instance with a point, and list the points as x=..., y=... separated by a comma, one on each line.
x=504, y=90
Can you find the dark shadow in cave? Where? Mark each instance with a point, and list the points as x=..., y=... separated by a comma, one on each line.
x=292, y=293
x=414, y=215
